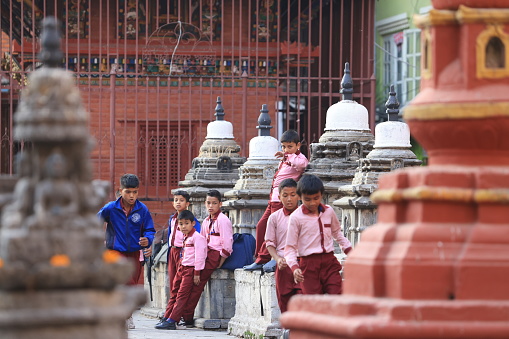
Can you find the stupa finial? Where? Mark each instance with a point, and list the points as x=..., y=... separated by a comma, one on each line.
x=219, y=110
x=51, y=55
x=264, y=122
x=392, y=105
x=347, y=84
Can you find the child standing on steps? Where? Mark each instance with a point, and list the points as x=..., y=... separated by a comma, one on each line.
x=192, y=262
x=175, y=236
x=292, y=165
x=311, y=230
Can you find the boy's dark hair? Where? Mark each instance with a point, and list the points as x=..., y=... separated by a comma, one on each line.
x=129, y=181
x=214, y=193
x=290, y=136
x=186, y=215
x=287, y=183
x=310, y=184
x=184, y=194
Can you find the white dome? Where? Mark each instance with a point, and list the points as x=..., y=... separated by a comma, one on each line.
x=219, y=129
x=391, y=134
x=263, y=147
x=347, y=115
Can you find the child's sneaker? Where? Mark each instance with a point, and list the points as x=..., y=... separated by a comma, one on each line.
x=181, y=325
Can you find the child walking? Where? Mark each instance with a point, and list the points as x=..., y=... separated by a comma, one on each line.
x=217, y=229
x=129, y=226
x=311, y=230
x=192, y=262
x=275, y=240
x=292, y=165
x=175, y=235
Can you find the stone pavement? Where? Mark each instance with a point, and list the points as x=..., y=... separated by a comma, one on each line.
x=145, y=330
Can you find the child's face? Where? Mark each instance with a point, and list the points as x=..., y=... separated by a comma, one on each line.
x=312, y=201
x=129, y=195
x=290, y=147
x=180, y=203
x=289, y=197
x=186, y=225
x=213, y=205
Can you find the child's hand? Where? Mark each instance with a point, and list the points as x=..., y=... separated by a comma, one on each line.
x=298, y=276
x=143, y=241
x=281, y=263
x=147, y=252
x=279, y=154
x=196, y=280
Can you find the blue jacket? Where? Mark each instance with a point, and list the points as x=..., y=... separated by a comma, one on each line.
x=123, y=232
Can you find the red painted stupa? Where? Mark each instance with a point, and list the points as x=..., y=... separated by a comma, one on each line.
x=436, y=263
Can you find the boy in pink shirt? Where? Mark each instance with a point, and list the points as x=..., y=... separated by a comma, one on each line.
x=292, y=165
x=192, y=263
x=275, y=240
x=218, y=231
x=311, y=230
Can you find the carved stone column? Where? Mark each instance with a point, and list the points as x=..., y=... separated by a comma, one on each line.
x=346, y=139
x=435, y=264
x=56, y=279
x=390, y=152
x=249, y=197
x=217, y=165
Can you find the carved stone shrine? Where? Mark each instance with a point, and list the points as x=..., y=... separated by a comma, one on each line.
x=346, y=139
x=390, y=152
x=216, y=166
x=435, y=264
x=56, y=279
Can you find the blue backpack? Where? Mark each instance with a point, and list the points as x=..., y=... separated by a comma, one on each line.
x=243, y=251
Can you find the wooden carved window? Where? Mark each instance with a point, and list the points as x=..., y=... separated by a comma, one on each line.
x=165, y=154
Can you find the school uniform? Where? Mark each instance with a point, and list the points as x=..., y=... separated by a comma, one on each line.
x=175, y=240
x=192, y=262
x=310, y=238
x=291, y=167
x=275, y=236
x=218, y=232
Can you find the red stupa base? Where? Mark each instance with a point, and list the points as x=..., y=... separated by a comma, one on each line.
x=347, y=316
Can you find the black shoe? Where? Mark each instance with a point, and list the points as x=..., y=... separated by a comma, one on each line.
x=253, y=267
x=166, y=326
x=270, y=267
x=162, y=320
x=189, y=323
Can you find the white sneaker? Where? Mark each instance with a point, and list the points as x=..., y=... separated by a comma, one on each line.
x=129, y=323
x=181, y=324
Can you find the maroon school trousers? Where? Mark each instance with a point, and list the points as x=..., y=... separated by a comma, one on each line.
x=213, y=258
x=321, y=274
x=285, y=287
x=180, y=292
x=173, y=265
x=261, y=253
x=133, y=257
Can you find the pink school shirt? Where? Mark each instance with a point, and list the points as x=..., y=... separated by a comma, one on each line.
x=194, y=251
x=291, y=167
x=175, y=231
x=311, y=234
x=218, y=231
x=277, y=227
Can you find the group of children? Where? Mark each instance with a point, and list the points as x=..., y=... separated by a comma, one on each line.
x=298, y=238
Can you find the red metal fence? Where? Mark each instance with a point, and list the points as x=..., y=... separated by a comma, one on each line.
x=150, y=70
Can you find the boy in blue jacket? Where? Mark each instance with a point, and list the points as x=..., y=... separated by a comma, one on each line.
x=129, y=225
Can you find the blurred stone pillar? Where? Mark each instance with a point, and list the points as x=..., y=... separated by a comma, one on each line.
x=56, y=279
